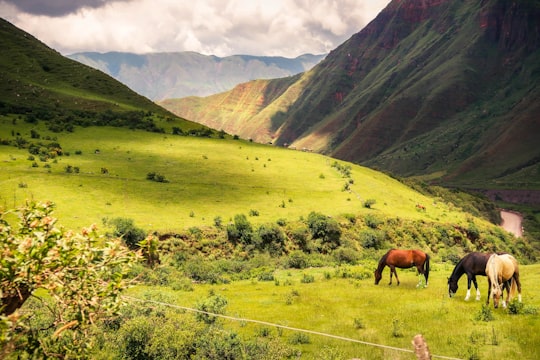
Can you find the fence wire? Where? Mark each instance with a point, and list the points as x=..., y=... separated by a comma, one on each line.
x=233, y=318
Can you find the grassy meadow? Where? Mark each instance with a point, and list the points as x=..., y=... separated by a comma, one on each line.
x=344, y=302
x=204, y=179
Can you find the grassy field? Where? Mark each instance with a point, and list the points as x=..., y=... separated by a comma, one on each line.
x=205, y=178
x=354, y=308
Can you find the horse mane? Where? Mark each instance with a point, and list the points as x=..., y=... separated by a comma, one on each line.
x=382, y=262
x=459, y=266
x=491, y=270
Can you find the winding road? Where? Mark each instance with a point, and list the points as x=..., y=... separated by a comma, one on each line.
x=511, y=222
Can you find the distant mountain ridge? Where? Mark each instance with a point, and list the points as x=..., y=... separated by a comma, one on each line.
x=446, y=90
x=161, y=76
x=38, y=83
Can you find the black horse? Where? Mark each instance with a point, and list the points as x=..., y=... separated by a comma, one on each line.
x=471, y=264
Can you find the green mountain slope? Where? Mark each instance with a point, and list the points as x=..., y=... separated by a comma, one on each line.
x=167, y=183
x=161, y=76
x=441, y=89
x=40, y=84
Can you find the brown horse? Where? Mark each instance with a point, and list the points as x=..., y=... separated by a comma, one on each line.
x=403, y=259
x=503, y=273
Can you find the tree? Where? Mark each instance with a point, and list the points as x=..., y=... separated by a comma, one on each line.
x=83, y=282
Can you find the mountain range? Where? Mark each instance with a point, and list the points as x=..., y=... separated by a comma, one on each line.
x=160, y=76
x=443, y=90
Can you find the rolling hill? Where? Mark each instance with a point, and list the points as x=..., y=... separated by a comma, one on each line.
x=38, y=83
x=442, y=90
x=58, y=144
x=160, y=76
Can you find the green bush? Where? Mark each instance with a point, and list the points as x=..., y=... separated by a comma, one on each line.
x=346, y=255
x=241, y=231
x=213, y=304
x=126, y=229
x=369, y=203
x=326, y=229
x=297, y=260
x=371, y=239
x=271, y=238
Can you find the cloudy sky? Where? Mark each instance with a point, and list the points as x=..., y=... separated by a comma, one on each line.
x=212, y=27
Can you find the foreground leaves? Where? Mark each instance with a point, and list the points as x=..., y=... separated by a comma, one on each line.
x=82, y=274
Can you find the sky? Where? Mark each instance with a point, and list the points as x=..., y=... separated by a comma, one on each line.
x=212, y=27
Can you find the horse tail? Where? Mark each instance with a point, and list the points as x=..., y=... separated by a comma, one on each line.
x=513, y=289
x=426, y=267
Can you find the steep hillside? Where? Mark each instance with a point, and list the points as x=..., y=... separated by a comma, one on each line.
x=38, y=83
x=442, y=89
x=161, y=76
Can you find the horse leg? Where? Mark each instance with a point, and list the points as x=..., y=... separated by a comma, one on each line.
x=420, y=273
x=489, y=291
x=392, y=271
x=506, y=286
x=477, y=289
x=468, y=288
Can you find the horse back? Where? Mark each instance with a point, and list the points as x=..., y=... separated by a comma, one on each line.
x=502, y=266
x=405, y=258
x=475, y=263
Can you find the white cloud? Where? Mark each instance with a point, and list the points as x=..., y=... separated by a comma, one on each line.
x=219, y=27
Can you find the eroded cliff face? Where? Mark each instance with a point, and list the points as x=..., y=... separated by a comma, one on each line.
x=429, y=86
x=512, y=24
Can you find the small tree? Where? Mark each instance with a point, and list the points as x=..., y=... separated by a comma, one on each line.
x=83, y=281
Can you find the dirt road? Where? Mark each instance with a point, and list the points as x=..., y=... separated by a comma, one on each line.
x=511, y=222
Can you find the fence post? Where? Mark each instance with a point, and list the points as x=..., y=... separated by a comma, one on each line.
x=420, y=348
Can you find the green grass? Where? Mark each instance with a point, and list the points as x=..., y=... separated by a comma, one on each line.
x=206, y=178
x=354, y=308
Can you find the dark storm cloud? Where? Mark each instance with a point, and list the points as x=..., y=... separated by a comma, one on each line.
x=55, y=7
x=213, y=27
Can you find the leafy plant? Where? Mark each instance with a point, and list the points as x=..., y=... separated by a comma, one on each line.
x=83, y=281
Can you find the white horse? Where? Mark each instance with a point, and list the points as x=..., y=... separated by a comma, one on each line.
x=503, y=273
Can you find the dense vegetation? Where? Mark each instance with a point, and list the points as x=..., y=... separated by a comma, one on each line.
x=224, y=273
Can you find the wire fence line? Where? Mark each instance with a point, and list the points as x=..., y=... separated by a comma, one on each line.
x=233, y=318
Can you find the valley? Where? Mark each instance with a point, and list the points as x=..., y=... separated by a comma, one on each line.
x=248, y=224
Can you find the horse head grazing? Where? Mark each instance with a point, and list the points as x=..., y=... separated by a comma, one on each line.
x=497, y=292
x=452, y=286
x=378, y=276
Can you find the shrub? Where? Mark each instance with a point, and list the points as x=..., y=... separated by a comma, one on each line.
x=373, y=221
x=126, y=229
x=271, y=238
x=213, y=304
x=241, y=231
x=369, y=203
x=297, y=260
x=371, y=239
x=266, y=276
x=299, y=338
x=485, y=314
x=202, y=271
x=324, y=228
x=253, y=212
x=346, y=255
